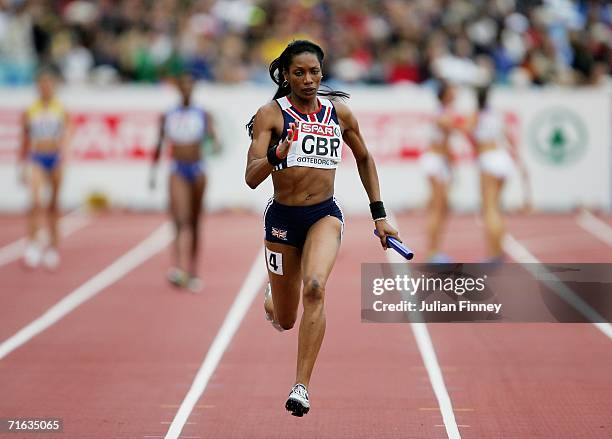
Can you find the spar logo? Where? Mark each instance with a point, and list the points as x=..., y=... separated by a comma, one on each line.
x=319, y=129
x=558, y=136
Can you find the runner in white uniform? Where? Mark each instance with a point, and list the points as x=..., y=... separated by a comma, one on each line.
x=436, y=164
x=487, y=131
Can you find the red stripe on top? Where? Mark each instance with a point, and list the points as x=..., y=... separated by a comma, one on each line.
x=307, y=114
x=327, y=116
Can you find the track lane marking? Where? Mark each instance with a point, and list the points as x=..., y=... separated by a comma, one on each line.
x=595, y=227
x=521, y=254
x=151, y=245
x=68, y=224
x=247, y=293
x=430, y=360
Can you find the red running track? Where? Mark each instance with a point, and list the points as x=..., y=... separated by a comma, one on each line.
x=119, y=365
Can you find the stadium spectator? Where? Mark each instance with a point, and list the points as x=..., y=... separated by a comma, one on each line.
x=516, y=42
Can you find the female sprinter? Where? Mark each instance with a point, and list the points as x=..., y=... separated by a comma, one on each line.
x=488, y=133
x=297, y=137
x=185, y=128
x=44, y=145
x=436, y=164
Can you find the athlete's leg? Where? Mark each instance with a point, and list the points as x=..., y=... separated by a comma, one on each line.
x=438, y=211
x=197, y=194
x=51, y=255
x=180, y=211
x=55, y=180
x=285, y=275
x=491, y=187
x=36, y=182
x=318, y=257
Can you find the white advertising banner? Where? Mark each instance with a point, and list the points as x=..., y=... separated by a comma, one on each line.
x=563, y=137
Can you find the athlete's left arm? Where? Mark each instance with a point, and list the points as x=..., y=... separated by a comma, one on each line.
x=211, y=133
x=67, y=132
x=514, y=153
x=365, y=165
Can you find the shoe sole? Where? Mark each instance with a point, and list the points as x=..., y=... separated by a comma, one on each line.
x=296, y=408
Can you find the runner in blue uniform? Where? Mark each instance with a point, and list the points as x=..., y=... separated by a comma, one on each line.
x=184, y=129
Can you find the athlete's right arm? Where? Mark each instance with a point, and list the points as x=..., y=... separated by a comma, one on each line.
x=25, y=148
x=267, y=121
x=157, y=152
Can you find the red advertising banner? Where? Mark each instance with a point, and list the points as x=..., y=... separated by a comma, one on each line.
x=132, y=135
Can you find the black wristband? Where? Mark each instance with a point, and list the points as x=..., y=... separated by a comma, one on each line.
x=377, y=208
x=272, y=157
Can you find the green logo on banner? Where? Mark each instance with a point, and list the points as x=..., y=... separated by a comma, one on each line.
x=558, y=136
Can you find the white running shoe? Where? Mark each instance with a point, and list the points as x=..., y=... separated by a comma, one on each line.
x=177, y=277
x=269, y=317
x=195, y=284
x=298, y=403
x=32, y=255
x=51, y=259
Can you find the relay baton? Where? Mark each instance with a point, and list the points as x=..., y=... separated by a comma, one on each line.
x=396, y=245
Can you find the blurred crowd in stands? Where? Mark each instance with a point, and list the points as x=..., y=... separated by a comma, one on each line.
x=474, y=42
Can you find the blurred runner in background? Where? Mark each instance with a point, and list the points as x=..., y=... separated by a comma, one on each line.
x=42, y=157
x=185, y=129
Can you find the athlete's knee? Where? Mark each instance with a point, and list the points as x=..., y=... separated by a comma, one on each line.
x=286, y=320
x=314, y=290
x=182, y=223
x=287, y=323
x=52, y=208
x=492, y=214
x=439, y=204
x=194, y=223
x=35, y=208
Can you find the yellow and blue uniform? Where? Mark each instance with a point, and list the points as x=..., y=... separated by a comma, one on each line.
x=45, y=122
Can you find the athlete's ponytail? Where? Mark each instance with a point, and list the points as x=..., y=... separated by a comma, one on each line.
x=482, y=97
x=282, y=63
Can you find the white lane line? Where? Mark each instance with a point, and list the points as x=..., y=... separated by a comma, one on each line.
x=69, y=224
x=595, y=226
x=233, y=319
x=519, y=253
x=155, y=242
x=430, y=360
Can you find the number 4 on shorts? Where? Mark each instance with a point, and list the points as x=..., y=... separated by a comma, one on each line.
x=275, y=262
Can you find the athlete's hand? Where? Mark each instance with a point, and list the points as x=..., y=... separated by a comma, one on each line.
x=283, y=149
x=152, y=181
x=384, y=229
x=526, y=208
x=21, y=174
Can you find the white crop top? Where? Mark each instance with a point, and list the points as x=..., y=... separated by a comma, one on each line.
x=437, y=135
x=185, y=126
x=318, y=141
x=489, y=128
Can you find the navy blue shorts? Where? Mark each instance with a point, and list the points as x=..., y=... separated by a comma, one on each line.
x=290, y=224
x=190, y=171
x=46, y=160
